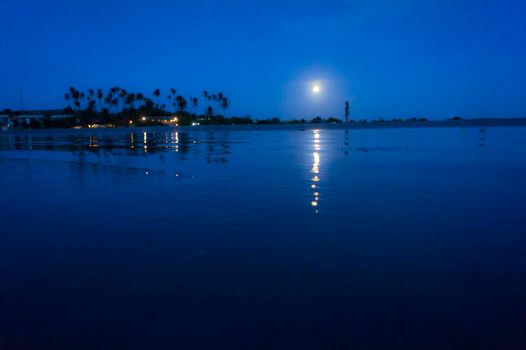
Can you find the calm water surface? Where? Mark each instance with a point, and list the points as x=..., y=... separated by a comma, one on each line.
x=226, y=238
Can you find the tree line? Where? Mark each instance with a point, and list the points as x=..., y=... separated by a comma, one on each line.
x=119, y=105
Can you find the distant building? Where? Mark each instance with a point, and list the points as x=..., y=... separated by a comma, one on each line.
x=169, y=120
x=30, y=116
x=27, y=118
x=5, y=122
x=61, y=116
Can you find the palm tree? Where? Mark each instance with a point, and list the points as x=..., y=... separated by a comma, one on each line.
x=173, y=91
x=195, y=103
x=100, y=97
x=209, y=112
x=157, y=93
x=181, y=103
x=115, y=103
x=123, y=94
x=67, y=97
x=91, y=97
x=130, y=100
x=170, y=101
x=91, y=105
x=108, y=100
x=206, y=95
x=224, y=104
x=73, y=91
x=76, y=96
x=140, y=97
x=91, y=94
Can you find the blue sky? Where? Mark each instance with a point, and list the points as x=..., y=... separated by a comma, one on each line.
x=390, y=58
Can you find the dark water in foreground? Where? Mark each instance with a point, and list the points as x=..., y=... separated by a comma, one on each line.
x=263, y=239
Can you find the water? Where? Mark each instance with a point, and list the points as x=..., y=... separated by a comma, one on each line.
x=255, y=238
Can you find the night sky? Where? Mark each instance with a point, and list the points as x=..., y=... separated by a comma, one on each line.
x=390, y=58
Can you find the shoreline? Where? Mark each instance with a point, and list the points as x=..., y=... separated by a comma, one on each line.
x=478, y=122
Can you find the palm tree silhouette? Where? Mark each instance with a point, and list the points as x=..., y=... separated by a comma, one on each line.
x=76, y=96
x=123, y=103
x=140, y=97
x=157, y=94
x=67, y=96
x=91, y=94
x=91, y=97
x=122, y=94
x=100, y=97
x=209, y=112
x=130, y=100
x=195, y=103
x=115, y=103
x=181, y=103
x=108, y=99
x=224, y=104
x=173, y=91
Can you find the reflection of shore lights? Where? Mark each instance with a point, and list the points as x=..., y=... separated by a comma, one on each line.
x=314, y=203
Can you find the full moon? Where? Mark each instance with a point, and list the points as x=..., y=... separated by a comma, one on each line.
x=316, y=89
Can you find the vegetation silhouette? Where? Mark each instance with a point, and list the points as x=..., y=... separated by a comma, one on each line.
x=120, y=107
